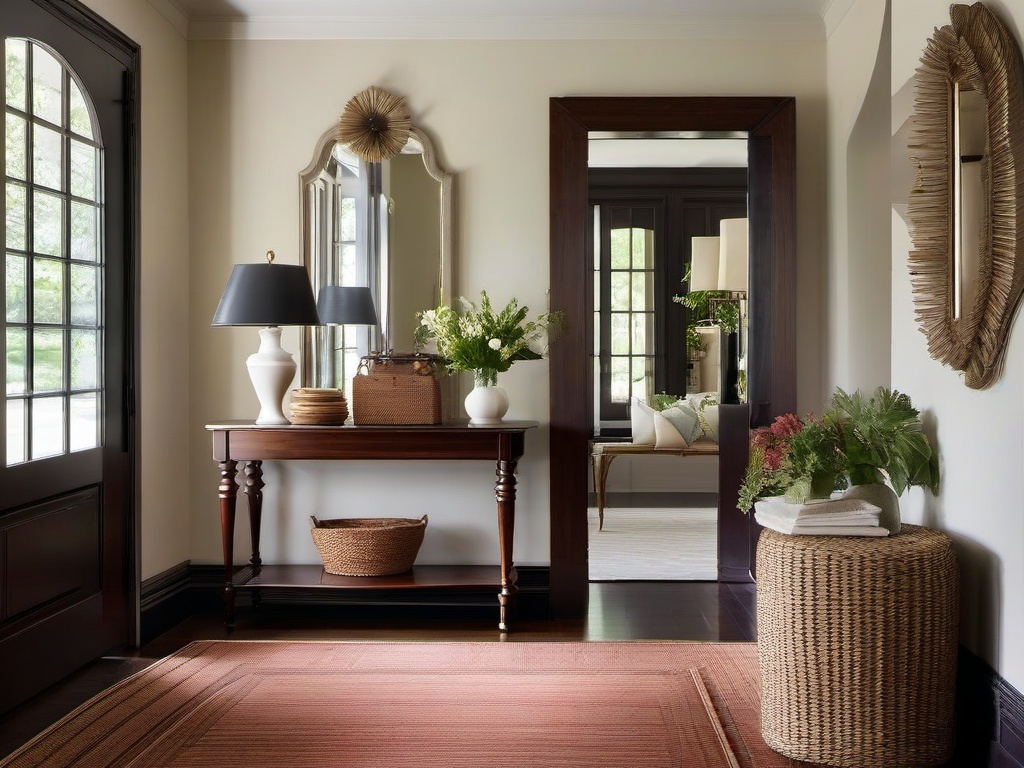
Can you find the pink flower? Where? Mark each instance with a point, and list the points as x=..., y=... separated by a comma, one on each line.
x=786, y=425
x=773, y=458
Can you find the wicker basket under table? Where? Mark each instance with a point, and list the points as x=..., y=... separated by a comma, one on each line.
x=857, y=646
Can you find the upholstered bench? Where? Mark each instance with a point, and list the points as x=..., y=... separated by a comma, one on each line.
x=603, y=453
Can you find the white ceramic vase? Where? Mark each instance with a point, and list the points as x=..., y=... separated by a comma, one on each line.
x=487, y=403
x=881, y=495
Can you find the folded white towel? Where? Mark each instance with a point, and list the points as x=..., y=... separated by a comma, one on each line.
x=780, y=506
x=854, y=518
x=788, y=527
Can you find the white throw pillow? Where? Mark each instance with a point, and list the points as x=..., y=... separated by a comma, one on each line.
x=641, y=417
x=676, y=427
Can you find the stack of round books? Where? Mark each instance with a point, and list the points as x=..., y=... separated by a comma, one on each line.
x=318, y=406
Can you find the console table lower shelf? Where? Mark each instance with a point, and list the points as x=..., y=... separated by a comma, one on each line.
x=250, y=445
x=318, y=586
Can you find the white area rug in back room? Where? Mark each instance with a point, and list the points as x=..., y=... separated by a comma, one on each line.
x=654, y=544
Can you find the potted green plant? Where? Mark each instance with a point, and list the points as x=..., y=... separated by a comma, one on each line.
x=860, y=445
x=485, y=342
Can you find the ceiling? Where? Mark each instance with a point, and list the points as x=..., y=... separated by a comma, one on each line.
x=504, y=19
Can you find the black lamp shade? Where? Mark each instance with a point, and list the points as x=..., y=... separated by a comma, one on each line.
x=267, y=294
x=346, y=305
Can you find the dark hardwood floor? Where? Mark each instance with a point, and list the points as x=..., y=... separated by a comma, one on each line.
x=618, y=611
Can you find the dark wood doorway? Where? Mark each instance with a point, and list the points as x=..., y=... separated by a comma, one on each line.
x=770, y=125
x=68, y=571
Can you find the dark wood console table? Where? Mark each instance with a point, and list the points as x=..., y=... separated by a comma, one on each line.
x=240, y=441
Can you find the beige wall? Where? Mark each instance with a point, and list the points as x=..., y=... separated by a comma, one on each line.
x=859, y=260
x=164, y=299
x=979, y=436
x=256, y=109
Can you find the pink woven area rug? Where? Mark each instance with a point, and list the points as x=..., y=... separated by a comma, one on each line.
x=226, y=704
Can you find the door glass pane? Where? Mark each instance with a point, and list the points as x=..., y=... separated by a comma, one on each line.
x=640, y=323
x=84, y=304
x=47, y=291
x=620, y=292
x=80, y=119
x=47, y=85
x=15, y=431
x=84, y=244
x=85, y=361
x=54, y=340
x=47, y=158
x=17, y=379
x=641, y=248
x=16, y=55
x=47, y=427
x=620, y=379
x=641, y=292
x=83, y=170
x=17, y=305
x=641, y=376
x=17, y=215
x=620, y=248
x=16, y=144
x=620, y=333
x=85, y=421
x=48, y=224
x=47, y=360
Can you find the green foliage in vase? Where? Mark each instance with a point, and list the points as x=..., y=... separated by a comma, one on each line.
x=858, y=440
x=726, y=313
x=882, y=433
x=481, y=339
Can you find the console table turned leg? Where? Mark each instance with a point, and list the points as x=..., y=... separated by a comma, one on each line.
x=228, y=493
x=254, y=495
x=505, y=493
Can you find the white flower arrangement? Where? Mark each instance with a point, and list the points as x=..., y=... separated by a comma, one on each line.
x=481, y=340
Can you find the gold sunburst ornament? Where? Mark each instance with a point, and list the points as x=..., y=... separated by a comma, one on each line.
x=375, y=124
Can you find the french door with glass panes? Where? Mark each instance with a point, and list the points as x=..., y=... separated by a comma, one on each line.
x=66, y=480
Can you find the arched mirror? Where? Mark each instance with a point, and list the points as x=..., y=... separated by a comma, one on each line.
x=966, y=210
x=386, y=225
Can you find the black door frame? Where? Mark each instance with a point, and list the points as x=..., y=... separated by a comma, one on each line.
x=770, y=124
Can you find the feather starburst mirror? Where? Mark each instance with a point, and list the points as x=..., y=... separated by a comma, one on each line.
x=375, y=124
x=976, y=56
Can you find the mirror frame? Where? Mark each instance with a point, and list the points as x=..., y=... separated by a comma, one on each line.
x=770, y=123
x=976, y=49
x=446, y=277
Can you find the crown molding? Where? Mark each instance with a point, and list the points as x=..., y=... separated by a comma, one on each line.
x=506, y=28
x=173, y=13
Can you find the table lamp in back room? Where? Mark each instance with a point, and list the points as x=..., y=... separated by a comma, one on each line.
x=269, y=295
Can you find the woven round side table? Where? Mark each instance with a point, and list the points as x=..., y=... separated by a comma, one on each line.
x=857, y=646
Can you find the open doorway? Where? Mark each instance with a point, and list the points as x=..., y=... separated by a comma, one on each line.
x=656, y=201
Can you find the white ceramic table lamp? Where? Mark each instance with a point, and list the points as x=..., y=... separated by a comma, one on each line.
x=269, y=295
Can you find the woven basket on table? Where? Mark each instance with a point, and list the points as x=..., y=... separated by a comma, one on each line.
x=368, y=546
x=857, y=647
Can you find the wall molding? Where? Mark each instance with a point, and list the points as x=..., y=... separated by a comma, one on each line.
x=990, y=717
x=165, y=600
x=794, y=28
